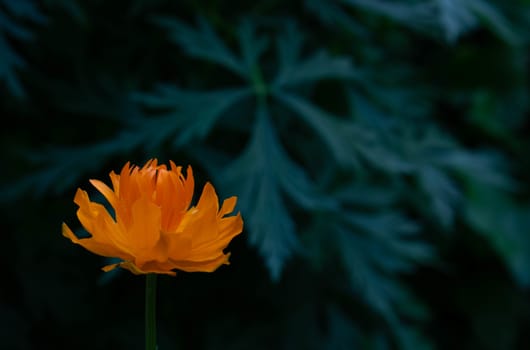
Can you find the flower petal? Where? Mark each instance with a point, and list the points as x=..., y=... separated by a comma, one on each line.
x=228, y=206
x=137, y=271
x=115, y=179
x=144, y=232
x=106, y=191
x=200, y=223
x=103, y=249
x=202, y=266
x=209, y=231
x=228, y=228
x=97, y=221
x=168, y=190
x=178, y=245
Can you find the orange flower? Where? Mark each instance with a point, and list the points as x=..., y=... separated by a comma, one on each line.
x=154, y=229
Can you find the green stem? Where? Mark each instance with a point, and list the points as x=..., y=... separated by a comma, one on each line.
x=150, y=311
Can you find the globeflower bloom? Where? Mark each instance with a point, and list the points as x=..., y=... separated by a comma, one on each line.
x=154, y=228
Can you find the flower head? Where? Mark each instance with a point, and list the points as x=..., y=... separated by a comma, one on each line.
x=154, y=228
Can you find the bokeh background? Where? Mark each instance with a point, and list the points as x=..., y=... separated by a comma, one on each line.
x=379, y=150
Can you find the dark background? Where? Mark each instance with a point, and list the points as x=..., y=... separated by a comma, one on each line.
x=379, y=150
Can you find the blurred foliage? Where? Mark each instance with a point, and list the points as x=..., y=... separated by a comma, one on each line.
x=379, y=150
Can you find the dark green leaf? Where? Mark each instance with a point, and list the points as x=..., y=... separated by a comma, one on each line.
x=505, y=224
x=187, y=115
x=339, y=135
x=261, y=174
x=295, y=70
x=201, y=43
